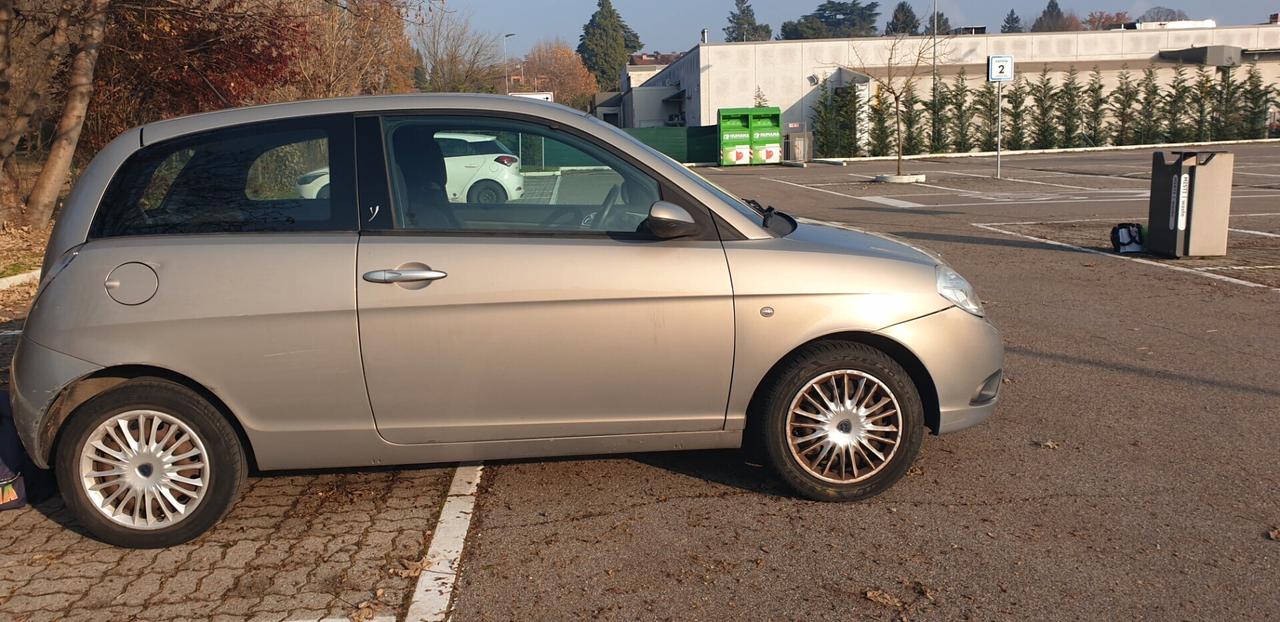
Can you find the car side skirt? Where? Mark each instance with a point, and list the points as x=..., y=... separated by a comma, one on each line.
x=336, y=449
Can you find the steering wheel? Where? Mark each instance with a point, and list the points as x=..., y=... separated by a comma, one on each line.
x=572, y=210
x=606, y=207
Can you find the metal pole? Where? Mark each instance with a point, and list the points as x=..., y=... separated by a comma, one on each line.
x=999, y=124
x=506, y=63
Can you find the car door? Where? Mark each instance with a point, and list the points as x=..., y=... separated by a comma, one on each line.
x=548, y=317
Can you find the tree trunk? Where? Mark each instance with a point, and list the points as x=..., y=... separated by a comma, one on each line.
x=44, y=195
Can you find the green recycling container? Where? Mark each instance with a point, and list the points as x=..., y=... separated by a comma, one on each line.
x=735, y=136
x=766, y=135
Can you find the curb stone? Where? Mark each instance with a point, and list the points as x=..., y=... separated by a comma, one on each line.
x=32, y=276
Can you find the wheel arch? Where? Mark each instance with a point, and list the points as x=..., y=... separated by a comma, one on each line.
x=88, y=387
x=902, y=355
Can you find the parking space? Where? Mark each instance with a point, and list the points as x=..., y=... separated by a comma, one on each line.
x=1130, y=471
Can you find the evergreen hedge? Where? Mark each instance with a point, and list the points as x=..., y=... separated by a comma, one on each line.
x=1044, y=113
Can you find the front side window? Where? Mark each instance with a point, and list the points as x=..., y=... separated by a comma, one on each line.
x=276, y=177
x=489, y=175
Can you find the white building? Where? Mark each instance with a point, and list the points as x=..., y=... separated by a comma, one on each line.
x=711, y=76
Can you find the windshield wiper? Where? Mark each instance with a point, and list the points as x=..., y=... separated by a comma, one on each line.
x=755, y=205
x=766, y=216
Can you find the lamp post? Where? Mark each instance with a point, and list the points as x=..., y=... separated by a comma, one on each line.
x=506, y=63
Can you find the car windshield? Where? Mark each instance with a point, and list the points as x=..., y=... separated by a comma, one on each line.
x=775, y=221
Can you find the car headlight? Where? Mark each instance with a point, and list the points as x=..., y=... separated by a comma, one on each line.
x=956, y=289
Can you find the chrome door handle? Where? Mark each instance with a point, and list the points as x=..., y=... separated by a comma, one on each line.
x=403, y=276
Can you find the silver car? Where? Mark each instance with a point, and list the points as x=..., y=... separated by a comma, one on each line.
x=199, y=317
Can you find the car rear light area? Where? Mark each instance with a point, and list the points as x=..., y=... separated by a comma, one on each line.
x=507, y=160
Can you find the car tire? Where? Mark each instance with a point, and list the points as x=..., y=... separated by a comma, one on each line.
x=487, y=192
x=848, y=374
x=170, y=464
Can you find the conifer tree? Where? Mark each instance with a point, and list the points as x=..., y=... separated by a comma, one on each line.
x=903, y=21
x=760, y=100
x=986, y=107
x=881, y=125
x=962, y=112
x=1226, y=113
x=1069, y=110
x=1256, y=98
x=937, y=106
x=824, y=121
x=1202, y=102
x=1149, y=129
x=912, y=122
x=849, y=106
x=1012, y=23
x=605, y=43
x=743, y=25
x=1175, y=107
x=1094, y=132
x=1124, y=102
x=1044, y=127
x=1015, y=102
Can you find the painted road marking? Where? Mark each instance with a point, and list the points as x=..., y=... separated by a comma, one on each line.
x=1241, y=267
x=890, y=201
x=1252, y=232
x=1021, y=181
x=434, y=592
x=1217, y=277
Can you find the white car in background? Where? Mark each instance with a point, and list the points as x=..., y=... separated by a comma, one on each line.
x=480, y=169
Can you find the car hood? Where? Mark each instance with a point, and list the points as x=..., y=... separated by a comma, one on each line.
x=848, y=239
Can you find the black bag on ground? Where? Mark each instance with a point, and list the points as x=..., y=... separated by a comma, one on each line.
x=1126, y=237
x=13, y=488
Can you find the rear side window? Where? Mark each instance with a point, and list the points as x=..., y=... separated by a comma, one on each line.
x=274, y=177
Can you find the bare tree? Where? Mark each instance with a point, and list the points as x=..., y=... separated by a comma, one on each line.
x=456, y=58
x=358, y=47
x=897, y=73
x=57, y=166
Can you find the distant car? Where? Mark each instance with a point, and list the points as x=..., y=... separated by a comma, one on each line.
x=197, y=317
x=480, y=170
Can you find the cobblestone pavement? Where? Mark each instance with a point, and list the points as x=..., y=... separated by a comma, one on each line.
x=295, y=547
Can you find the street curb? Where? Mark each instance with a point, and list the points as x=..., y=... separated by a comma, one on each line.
x=1007, y=154
x=20, y=279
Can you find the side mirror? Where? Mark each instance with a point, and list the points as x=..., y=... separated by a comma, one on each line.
x=669, y=221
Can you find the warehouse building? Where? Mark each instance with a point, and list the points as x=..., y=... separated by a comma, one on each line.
x=787, y=74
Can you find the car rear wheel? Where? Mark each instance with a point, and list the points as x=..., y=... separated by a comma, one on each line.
x=149, y=464
x=842, y=421
x=487, y=192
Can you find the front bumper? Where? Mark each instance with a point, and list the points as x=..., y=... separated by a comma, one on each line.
x=962, y=353
x=38, y=375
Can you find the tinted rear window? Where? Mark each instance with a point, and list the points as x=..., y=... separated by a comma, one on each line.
x=275, y=177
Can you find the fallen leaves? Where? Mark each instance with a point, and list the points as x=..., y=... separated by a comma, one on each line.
x=1274, y=534
x=410, y=569
x=1046, y=444
x=884, y=598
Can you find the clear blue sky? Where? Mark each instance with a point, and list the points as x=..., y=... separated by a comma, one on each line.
x=673, y=25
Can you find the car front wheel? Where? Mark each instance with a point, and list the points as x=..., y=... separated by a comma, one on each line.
x=842, y=421
x=149, y=464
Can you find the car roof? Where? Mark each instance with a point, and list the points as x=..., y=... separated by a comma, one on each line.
x=462, y=102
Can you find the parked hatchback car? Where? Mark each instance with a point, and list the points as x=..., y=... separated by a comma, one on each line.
x=199, y=316
x=479, y=169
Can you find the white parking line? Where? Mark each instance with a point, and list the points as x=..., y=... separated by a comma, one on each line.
x=890, y=201
x=434, y=592
x=1021, y=181
x=10, y=333
x=1252, y=232
x=1216, y=277
x=1241, y=267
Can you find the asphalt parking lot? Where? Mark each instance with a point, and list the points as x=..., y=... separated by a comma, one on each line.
x=1131, y=471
